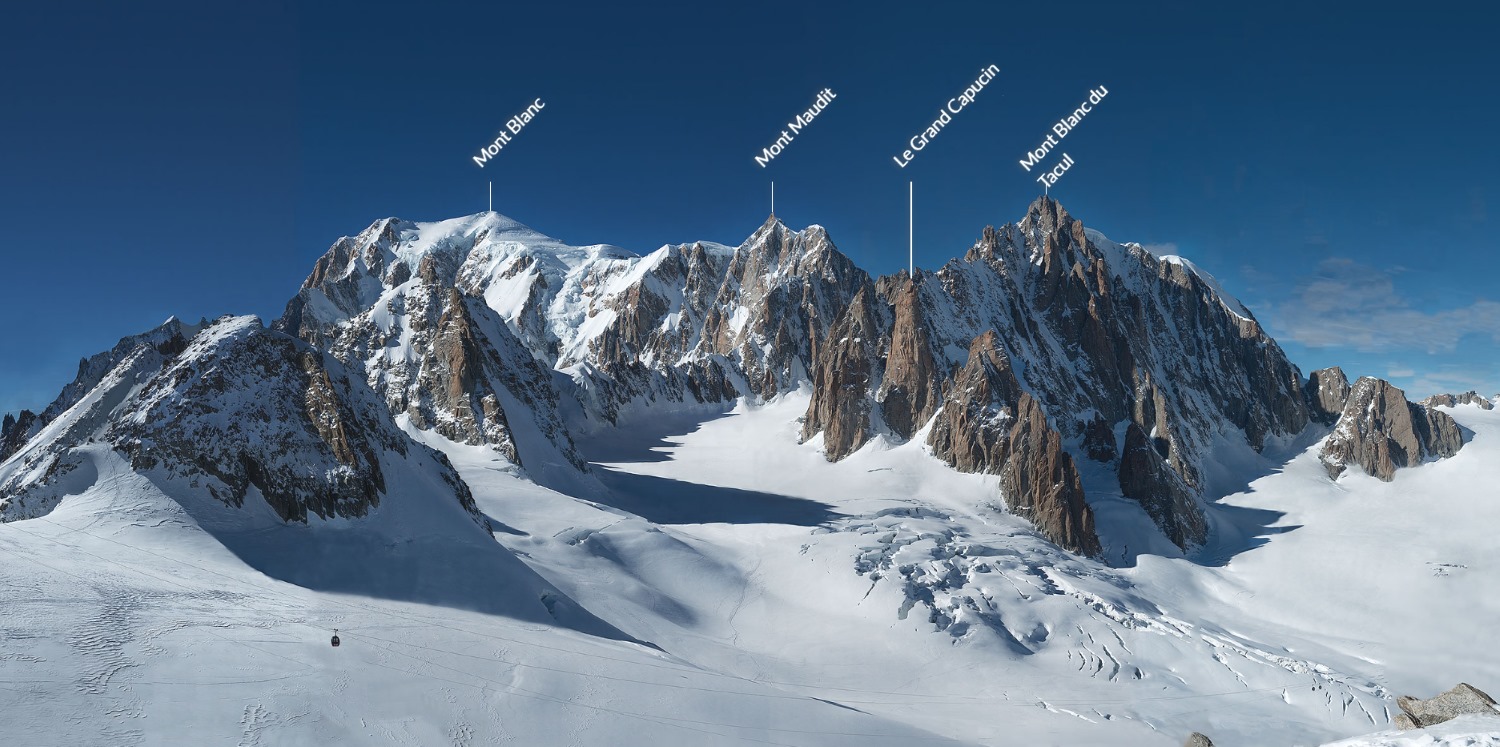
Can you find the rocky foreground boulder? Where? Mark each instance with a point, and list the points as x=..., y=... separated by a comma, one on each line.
x=1380, y=432
x=1461, y=700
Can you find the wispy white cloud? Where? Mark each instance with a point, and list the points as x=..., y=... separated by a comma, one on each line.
x=1350, y=305
x=1451, y=379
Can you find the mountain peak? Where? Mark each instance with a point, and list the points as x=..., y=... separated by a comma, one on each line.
x=1047, y=212
x=776, y=236
x=772, y=227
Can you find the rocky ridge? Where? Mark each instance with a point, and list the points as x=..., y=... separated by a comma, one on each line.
x=1108, y=336
x=1470, y=397
x=154, y=346
x=231, y=408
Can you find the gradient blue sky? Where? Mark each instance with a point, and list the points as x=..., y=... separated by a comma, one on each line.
x=1332, y=166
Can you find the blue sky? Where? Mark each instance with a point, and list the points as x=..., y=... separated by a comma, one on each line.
x=1332, y=166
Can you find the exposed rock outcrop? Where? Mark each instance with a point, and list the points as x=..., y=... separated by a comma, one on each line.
x=841, y=378
x=1040, y=481
x=1099, y=441
x=1470, y=397
x=157, y=345
x=1146, y=478
x=692, y=323
x=909, y=391
x=972, y=430
x=1198, y=740
x=245, y=407
x=238, y=409
x=1101, y=335
x=988, y=424
x=1380, y=431
x=460, y=325
x=15, y=430
x=1461, y=700
x=1327, y=391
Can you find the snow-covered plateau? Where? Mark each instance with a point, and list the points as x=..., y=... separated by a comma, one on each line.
x=554, y=495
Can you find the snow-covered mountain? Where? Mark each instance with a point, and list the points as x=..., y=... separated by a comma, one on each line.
x=1047, y=466
x=697, y=322
x=250, y=431
x=1089, y=350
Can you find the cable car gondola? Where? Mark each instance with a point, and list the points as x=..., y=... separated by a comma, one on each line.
x=335, y=641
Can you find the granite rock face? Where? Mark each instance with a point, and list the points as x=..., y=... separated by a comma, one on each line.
x=707, y=323
x=245, y=407
x=153, y=347
x=839, y=409
x=1146, y=478
x=989, y=424
x=1040, y=481
x=972, y=429
x=1044, y=345
x=1463, y=699
x=1099, y=441
x=1380, y=432
x=910, y=391
x=592, y=330
x=1327, y=391
x=471, y=325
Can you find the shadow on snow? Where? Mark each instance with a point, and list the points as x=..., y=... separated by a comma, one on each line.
x=663, y=500
x=645, y=440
